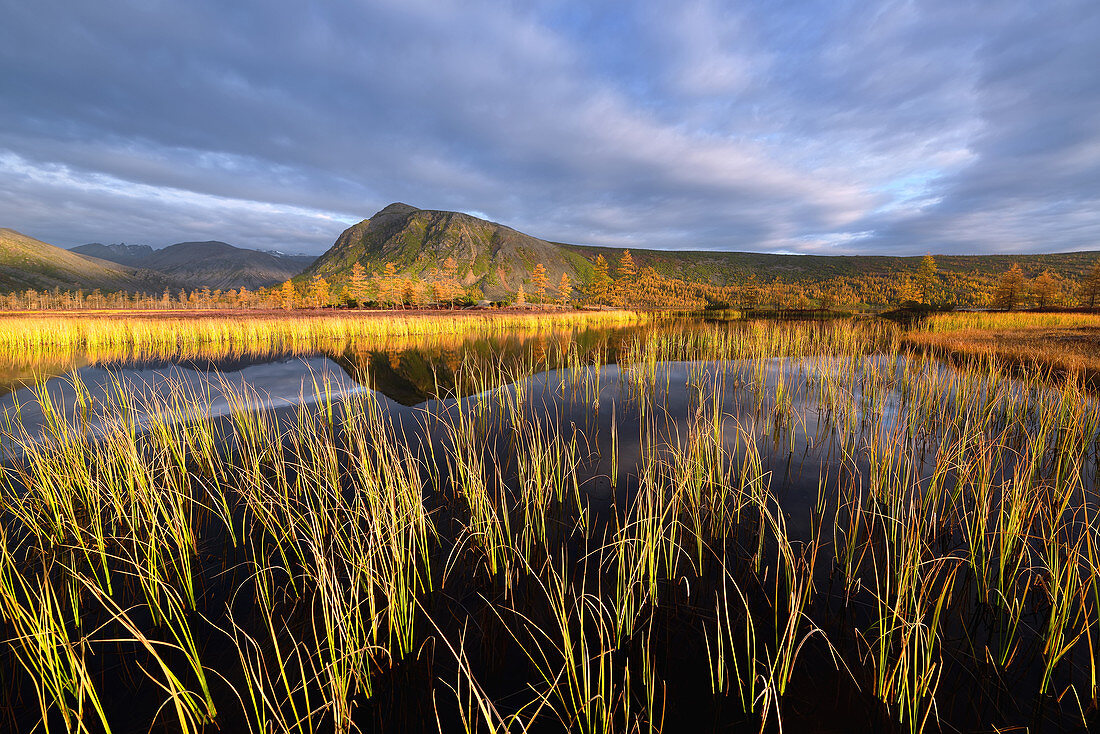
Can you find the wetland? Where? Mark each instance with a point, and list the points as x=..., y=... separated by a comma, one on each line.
x=609, y=522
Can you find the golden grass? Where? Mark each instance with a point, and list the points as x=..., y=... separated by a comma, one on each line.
x=963, y=321
x=1067, y=342
x=139, y=335
x=333, y=556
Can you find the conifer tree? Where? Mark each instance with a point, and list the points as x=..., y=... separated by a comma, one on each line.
x=1090, y=289
x=358, y=285
x=287, y=295
x=1010, y=288
x=390, y=286
x=318, y=292
x=626, y=275
x=565, y=289
x=1045, y=287
x=540, y=282
x=600, y=288
x=926, y=278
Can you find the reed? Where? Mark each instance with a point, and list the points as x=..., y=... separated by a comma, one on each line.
x=580, y=549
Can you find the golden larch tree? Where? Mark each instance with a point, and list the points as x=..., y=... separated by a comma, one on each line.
x=565, y=289
x=539, y=282
x=358, y=285
x=287, y=295
x=319, y=292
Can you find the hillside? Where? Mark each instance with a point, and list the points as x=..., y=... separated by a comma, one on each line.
x=27, y=263
x=494, y=259
x=211, y=264
x=491, y=257
x=722, y=268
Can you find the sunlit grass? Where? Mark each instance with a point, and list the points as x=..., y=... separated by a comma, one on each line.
x=279, y=573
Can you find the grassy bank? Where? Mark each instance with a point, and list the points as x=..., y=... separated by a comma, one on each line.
x=1062, y=342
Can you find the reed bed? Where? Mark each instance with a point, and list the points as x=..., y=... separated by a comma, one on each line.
x=1028, y=342
x=155, y=337
x=960, y=320
x=603, y=547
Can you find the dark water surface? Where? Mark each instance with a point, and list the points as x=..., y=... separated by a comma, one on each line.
x=572, y=385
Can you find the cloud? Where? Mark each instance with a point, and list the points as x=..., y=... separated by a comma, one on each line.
x=896, y=127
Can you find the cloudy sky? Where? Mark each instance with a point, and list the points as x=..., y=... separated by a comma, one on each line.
x=828, y=127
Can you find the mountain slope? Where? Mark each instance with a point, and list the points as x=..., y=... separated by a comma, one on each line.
x=210, y=264
x=496, y=258
x=490, y=256
x=29, y=263
x=721, y=268
x=122, y=254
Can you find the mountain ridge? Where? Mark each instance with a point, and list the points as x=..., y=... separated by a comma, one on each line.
x=28, y=263
x=205, y=264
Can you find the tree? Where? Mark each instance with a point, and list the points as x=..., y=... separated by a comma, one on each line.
x=599, y=290
x=521, y=297
x=358, y=286
x=1090, y=289
x=318, y=292
x=449, y=287
x=750, y=293
x=565, y=289
x=539, y=281
x=391, y=287
x=926, y=278
x=626, y=274
x=287, y=295
x=1045, y=288
x=1009, y=289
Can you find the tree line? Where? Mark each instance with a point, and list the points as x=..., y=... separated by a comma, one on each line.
x=623, y=284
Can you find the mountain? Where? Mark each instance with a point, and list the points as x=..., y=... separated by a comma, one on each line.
x=122, y=254
x=211, y=264
x=29, y=263
x=490, y=256
x=496, y=258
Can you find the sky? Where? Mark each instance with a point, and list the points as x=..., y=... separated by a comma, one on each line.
x=833, y=127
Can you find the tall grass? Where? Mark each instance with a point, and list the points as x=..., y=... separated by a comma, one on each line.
x=599, y=548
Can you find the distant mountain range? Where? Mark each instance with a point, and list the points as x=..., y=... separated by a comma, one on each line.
x=27, y=263
x=488, y=256
x=211, y=264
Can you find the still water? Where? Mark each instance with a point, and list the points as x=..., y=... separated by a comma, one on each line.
x=824, y=428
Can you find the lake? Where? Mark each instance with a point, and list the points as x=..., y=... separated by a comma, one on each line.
x=726, y=523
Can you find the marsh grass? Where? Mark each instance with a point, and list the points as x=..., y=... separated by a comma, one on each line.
x=488, y=562
x=1029, y=343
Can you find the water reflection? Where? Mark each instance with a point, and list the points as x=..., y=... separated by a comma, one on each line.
x=406, y=371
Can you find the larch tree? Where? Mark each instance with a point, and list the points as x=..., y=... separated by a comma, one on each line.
x=390, y=285
x=319, y=292
x=449, y=285
x=1090, y=289
x=1010, y=288
x=1045, y=289
x=926, y=278
x=565, y=289
x=358, y=285
x=600, y=288
x=539, y=282
x=287, y=295
x=521, y=297
x=625, y=276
